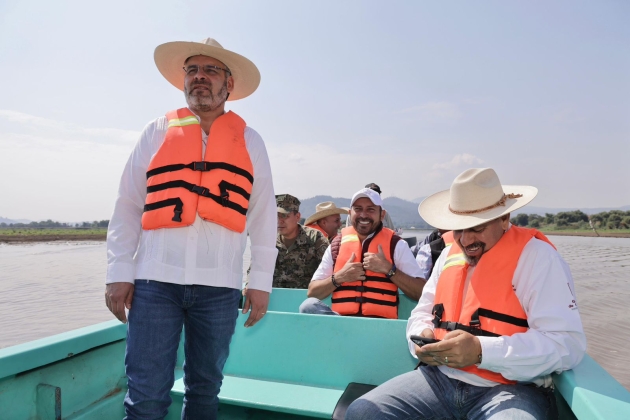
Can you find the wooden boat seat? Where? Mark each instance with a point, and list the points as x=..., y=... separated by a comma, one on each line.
x=277, y=365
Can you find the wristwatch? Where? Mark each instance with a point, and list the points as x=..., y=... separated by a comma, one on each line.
x=391, y=272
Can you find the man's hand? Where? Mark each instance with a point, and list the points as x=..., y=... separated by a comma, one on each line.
x=118, y=296
x=351, y=271
x=376, y=262
x=458, y=349
x=257, y=301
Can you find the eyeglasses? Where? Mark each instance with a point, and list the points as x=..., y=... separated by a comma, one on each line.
x=208, y=69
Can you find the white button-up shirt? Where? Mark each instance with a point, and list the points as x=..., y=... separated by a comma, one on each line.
x=555, y=340
x=204, y=253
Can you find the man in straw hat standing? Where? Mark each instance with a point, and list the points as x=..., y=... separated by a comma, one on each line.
x=326, y=219
x=500, y=299
x=196, y=184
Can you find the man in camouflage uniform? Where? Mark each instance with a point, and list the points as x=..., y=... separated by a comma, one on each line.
x=300, y=249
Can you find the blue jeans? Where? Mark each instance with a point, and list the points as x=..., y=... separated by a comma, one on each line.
x=426, y=393
x=158, y=312
x=316, y=307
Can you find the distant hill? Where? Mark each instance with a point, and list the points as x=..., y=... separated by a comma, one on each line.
x=12, y=221
x=403, y=213
x=542, y=210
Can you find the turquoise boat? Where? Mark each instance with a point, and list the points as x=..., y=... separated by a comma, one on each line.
x=289, y=366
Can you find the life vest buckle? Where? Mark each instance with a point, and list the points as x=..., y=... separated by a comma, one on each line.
x=225, y=197
x=203, y=191
x=178, y=216
x=450, y=326
x=201, y=166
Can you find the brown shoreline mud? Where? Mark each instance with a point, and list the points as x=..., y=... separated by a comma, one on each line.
x=52, y=238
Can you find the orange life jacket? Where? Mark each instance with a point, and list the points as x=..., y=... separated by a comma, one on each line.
x=448, y=238
x=491, y=308
x=376, y=296
x=180, y=184
x=318, y=227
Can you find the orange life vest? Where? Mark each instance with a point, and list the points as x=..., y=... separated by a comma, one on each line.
x=318, y=227
x=376, y=296
x=180, y=184
x=448, y=238
x=491, y=308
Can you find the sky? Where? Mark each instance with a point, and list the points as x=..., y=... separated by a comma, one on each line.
x=406, y=94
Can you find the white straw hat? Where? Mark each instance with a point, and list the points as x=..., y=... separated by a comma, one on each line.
x=170, y=58
x=325, y=209
x=475, y=197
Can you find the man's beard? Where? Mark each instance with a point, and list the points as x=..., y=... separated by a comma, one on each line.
x=473, y=261
x=206, y=103
x=372, y=227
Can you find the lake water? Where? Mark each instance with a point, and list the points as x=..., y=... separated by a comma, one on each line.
x=49, y=288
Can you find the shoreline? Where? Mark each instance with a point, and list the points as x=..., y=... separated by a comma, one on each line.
x=13, y=239
x=16, y=239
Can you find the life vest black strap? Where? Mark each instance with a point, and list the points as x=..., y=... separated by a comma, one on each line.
x=378, y=279
x=363, y=299
x=202, y=166
x=475, y=324
x=452, y=326
x=223, y=199
x=363, y=289
x=508, y=319
x=177, y=202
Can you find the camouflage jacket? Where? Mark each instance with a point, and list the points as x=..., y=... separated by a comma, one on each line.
x=296, y=265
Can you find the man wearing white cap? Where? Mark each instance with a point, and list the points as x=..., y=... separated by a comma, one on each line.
x=197, y=183
x=326, y=219
x=501, y=301
x=364, y=267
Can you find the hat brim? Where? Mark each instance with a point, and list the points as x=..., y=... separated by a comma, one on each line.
x=435, y=209
x=325, y=213
x=170, y=57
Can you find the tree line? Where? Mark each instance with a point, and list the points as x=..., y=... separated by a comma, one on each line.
x=577, y=219
x=59, y=225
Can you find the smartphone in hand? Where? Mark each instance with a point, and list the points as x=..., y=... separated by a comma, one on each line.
x=421, y=341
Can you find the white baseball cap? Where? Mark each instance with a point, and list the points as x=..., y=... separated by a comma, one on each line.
x=374, y=197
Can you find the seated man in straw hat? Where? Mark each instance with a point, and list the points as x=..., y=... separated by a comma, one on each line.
x=364, y=266
x=326, y=219
x=188, y=198
x=500, y=300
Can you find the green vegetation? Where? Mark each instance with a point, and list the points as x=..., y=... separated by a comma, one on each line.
x=614, y=221
x=53, y=231
x=51, y=224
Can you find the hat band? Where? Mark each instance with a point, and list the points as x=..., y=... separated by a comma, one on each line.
x=501, y=202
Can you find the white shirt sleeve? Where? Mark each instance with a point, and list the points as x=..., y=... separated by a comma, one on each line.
x=325, y=268
x=424, y=260
x=125, y=227
x=261, y=216
x=404, y=260
x=421, y=317
x=555, y=340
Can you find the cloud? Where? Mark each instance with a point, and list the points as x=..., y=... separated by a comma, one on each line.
x=463, y=159
x=435, y=112
x=65, y=171
x=18, y=123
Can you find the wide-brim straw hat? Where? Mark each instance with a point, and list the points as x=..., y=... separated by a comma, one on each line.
x=325, y=209
x=170, y=58
x=475, y=197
